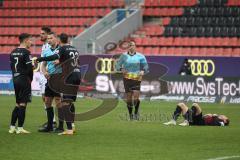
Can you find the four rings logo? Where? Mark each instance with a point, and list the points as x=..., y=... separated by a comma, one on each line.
x=202, y=67
x=105, y=65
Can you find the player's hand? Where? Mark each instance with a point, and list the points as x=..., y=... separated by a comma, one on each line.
x=56, y=62
x=35, y=64
x=141, y=73
x=46, y=75
x=124, y=71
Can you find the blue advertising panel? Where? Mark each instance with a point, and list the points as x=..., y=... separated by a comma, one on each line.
x=6, y=80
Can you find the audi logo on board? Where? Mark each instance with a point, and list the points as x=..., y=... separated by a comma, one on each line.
x=105, y=65
x=202, y=67
x=199, y=67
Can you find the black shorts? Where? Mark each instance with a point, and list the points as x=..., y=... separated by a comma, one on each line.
x=49, y=92
x=197, y=120
x=73, y=79
x=130, y=85
x=22, y=87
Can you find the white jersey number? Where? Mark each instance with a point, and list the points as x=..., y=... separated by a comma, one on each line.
x=16, y=63
x=74, y=56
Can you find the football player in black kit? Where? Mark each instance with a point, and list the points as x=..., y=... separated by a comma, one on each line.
x=195, y=117
x=67, y=56
x=22, y=71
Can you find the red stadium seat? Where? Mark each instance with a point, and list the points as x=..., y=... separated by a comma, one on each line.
x=177, y=41
x=155, y=51
x=236, y=52
x=166, y=21
x=186, y=51
x=154, y=41
x=178, y=51
x=159, y=31
x=146, y=41
x=207, y=51
x=140, y=49
x=170, y=51
x=138, y=41
x=203, y=51
x=233, y=3
x=147, y=50
x=227, y=52
x=163, y=51
x=195, y=52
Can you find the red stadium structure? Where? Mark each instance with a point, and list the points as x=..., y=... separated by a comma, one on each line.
x=171, y=27
x=69, y=16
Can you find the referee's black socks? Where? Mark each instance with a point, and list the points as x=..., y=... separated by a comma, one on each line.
x=136, y=104
x=21, y=115
x=130, y=108
x=50, y=115
x=14, y=116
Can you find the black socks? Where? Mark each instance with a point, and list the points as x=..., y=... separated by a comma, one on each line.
x=14, y=116
x=60, y=117
x=21, y=115
x=130, y=108
x=187, y=116
x=72, y=109
x=136, y=104
x=176, y=113
x=67, y=113
x=50, y=115
x=18, y=113
x=68, y=116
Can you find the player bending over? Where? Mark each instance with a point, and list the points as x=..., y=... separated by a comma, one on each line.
x=195, y=117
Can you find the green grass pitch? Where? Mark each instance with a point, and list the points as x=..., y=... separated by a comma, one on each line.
x=112, y=137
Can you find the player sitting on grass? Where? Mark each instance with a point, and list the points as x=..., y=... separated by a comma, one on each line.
x=194, y=116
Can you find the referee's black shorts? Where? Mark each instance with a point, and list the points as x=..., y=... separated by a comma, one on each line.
x=22, y=87
x=73, y=79
x=130, y=85
x=49, y=92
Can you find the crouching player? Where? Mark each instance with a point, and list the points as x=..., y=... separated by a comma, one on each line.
x=195, y=117
x=68, y=56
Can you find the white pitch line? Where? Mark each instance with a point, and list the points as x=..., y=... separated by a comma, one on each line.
x=223, y=158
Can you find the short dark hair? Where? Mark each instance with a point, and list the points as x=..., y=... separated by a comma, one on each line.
x=46, y=29
x=131, y=40
x=52, y=33
x=23, y=36
x=63, y=38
